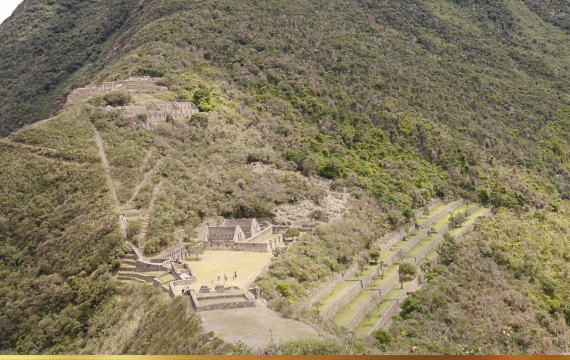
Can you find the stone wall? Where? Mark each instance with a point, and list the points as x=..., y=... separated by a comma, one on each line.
x=343, y=300
x=260, y=235
x=327, y=288
x=250, y=301
x=386, y=243
x=467, y=229
x=255, y=291
x=387, y=287
x=147, y=278
x=443, y=229
x=280, y=229
x=395, y=308
x=261, y=270
x=413, y=242
x=365, y=309
x=446, y=211
x=144, y=84
x=385, y=320
x=135, y=251
x=225, y=233
x=143, y=266
x=177, y=252
x=172, y=290
x=368, y=278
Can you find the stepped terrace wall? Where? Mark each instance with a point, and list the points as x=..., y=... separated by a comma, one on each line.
x=143, y=266
x=343, y=300
x=395, y=308
x=327, y=288
x=439, y=216
x=359, y=316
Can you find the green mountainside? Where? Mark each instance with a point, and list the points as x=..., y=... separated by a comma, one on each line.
x=402, y=102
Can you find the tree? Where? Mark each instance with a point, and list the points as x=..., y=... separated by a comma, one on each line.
x=362, y=263
x=382, y=336
x=425, y=265
x=374, y=279
x=197, y=250
x=426, y=211
x=447, y=249
x=396, y=219
x=460, y=219
x=368, y=317
x=410, y=305
x=292, y=232
x=408, y=213
x=374, y=255
x=318, y=304
x=405, y=270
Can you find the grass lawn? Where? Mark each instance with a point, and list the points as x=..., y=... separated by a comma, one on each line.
x=366, y=326
x=344, y=316
x=388, y=273
x=167, y=278
x=419, y=247
x=396, y=291
x=247, y=265
x=436, y=210
x=444, y=220
x=357, y=275
x=386, y=254
x=400, y=243
x=269, y=237
x=335, y=294
x=431, y=255
x=469, y=220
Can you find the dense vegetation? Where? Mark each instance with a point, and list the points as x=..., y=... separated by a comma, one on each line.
x=507, y=292
x=400, y=101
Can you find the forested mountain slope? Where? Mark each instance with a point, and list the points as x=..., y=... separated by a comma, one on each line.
x=401, y=101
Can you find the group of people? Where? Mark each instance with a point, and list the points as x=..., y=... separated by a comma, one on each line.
x=234, y=276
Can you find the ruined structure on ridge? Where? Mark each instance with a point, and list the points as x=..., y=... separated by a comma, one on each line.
x=154, y=112
x=143, y=84
x=159, y=112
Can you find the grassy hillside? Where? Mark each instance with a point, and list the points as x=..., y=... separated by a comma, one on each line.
x=399, y=101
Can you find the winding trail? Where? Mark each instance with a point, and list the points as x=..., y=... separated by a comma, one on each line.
x=122, y=220
x=145, y=160
x=143, y=181
x=35, y=150
x=145, y=219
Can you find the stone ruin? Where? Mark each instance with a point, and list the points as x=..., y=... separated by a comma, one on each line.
x=243, y=235
x=155, y=112
x=143, y=84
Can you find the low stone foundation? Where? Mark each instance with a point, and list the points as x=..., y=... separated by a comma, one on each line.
x=248, y=301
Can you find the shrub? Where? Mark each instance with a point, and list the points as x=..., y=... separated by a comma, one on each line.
x=118, y=98
x=283, y=289
x=382, y=336
x=410, y=305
